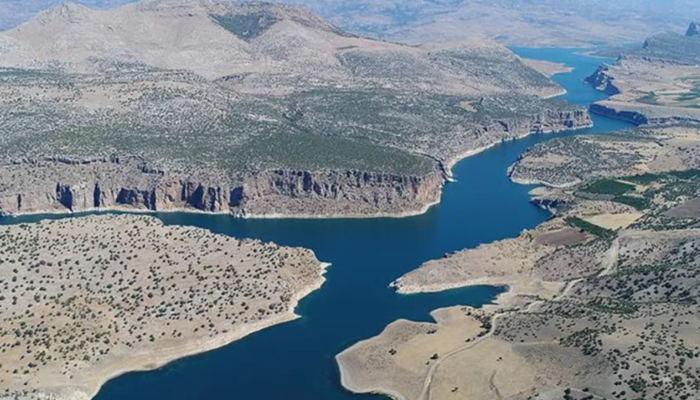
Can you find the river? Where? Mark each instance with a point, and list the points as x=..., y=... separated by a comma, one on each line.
x=296, y=360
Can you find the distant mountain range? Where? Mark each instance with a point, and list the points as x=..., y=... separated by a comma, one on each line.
x=515, y=22
x=255, y=48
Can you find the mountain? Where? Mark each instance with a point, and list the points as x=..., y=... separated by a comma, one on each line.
x=693, y=30
x=670, y=47
x=249, y=46
x=256, y=109
x=515, y=22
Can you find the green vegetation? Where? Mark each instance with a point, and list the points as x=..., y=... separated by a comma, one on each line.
x=593, y=229
x=607, y=186
x=640, y=203
x=609, y=305
x=246, y=26
x=644, y=179
x=649, y=98
x=178, y=121
x=588, y=340
x=690, y=174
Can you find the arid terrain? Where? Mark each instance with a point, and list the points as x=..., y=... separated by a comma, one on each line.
x=208, y=106
x=655, y=84
x=568, y=162
x=514, y=22
x=602, y=300
x=87, y=299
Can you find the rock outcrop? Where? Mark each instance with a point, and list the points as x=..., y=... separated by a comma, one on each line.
x=53, y=185
x=693, y=30
x=603, y=81
x=633, y=117
x=642, y=114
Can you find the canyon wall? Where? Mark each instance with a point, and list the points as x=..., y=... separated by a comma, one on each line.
x=604, y=81
x=54, y=185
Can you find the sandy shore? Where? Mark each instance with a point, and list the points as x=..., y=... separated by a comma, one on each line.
x=547, y=68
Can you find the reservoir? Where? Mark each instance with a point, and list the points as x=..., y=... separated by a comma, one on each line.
x=296, y=360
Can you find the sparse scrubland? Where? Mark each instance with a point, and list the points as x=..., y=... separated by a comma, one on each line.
x=602, y=300
x=86, y=299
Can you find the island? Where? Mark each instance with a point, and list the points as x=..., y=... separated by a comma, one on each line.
x=83, y=300
x=602, y=299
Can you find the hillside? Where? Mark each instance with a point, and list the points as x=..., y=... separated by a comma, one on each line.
x=256, y=109
x=515, y=22
x=656, y=83
x=247, y=45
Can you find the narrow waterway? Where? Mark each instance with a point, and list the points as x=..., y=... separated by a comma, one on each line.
x=296, y=360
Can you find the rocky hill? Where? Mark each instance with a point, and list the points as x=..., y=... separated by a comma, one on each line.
x=654, y=84
x=515, y=22
x=251, y=108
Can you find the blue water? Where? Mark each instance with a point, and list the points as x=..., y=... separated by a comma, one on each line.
x=296, y=360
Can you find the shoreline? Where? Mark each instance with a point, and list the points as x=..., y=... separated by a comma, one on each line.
x=138, y=211
x=539, y=182
x=515, y=286
x=448, y=171
x=449, y=164
x=212, y=344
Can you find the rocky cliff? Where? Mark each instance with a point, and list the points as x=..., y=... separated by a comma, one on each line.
x=603, y=81
x=53, y=185
x=552, y=120
x=642, y=114
x=633, y=117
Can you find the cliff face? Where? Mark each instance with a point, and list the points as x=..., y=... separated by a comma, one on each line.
x=55, y=185
x=555, y=120
x=602, y=80
x=549, y=121
x=632, y=117
x=336, y=193
x=646, y=115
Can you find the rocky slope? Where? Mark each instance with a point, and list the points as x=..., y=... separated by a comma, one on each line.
x=212, y=107
x=375, y=183
x=653, y=85
x=252, y=48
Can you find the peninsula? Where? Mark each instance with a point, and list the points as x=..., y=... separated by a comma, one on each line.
x=86, y=299
x=602, y=299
